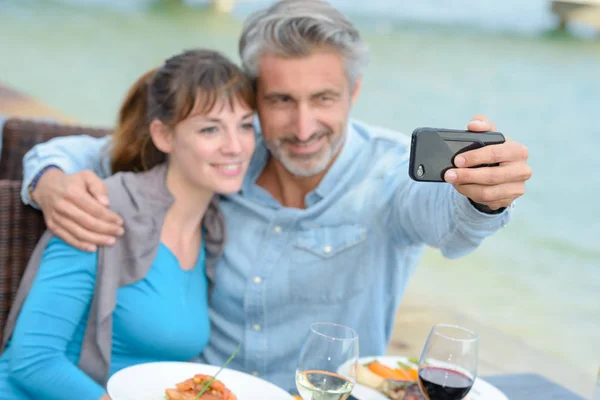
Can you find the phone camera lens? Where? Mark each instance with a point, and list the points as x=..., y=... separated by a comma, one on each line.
x=420, y=170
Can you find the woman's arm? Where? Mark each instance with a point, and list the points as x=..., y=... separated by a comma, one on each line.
x=59, y=298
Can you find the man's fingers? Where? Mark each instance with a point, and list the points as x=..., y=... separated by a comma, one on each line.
x=96, y=187
x=493, y=154
x=87, y=203
x=480, y=123
x=70, y=239
x=509, y=172
x=489, y=194
x=83, y=235
x=87, y=220
x=92, y=207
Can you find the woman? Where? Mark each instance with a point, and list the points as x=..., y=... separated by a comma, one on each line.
x=185, y=133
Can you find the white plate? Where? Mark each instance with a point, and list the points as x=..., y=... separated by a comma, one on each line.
x=481, y=389
x=149, y=381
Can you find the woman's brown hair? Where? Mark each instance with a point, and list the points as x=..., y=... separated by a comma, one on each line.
x=195, y=78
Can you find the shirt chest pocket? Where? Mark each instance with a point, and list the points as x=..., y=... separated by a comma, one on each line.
x=328, y=264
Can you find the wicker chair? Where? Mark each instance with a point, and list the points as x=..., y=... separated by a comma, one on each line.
x=18, y=136
x=21, y=226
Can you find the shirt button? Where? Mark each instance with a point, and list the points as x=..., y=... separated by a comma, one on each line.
x=327, y=249
x=255, y=373
x=256, y=327
x=257, y=279
x=277, y=229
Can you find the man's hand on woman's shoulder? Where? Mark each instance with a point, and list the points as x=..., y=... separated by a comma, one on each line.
x=76, y=209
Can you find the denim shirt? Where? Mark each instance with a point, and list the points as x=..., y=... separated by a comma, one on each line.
x=346, y=258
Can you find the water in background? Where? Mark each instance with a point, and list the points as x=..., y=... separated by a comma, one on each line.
x=433, y=64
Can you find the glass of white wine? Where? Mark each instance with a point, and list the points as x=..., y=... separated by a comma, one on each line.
x=327, y=348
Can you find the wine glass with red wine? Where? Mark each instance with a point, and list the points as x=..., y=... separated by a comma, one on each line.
x=448, y=364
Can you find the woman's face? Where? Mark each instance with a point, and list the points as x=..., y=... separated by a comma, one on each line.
x=211, y=151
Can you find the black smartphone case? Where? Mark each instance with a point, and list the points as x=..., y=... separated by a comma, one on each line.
x=432, y=150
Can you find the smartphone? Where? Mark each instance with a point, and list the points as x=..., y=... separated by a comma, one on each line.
x=432, y=150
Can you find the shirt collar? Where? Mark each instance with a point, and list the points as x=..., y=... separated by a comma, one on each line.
x=339, y=168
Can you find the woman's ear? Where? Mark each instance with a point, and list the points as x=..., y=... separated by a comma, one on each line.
x=161, y=136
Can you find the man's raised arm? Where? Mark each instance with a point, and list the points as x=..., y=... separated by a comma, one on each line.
x=456, y=218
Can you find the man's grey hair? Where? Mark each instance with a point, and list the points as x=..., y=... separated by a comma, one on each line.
x=295, y=28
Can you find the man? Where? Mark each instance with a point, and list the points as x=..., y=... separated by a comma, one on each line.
x=328, y=226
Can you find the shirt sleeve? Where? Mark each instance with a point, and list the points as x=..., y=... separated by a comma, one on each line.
x=59, y=298
x=71, y=154
x=437, y=215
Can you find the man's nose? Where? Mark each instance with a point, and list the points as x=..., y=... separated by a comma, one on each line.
x=305, y=123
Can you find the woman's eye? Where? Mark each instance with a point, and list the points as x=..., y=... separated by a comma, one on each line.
x=248, y=126
x=209, y=129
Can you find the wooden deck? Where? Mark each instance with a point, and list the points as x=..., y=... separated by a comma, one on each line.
x=499, y=353
x=16, y=104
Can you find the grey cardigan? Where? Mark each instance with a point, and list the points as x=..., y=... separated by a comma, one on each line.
x=142, y=199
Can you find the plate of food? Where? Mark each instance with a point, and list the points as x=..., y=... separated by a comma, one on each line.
x=396, y=378
x=187, y=380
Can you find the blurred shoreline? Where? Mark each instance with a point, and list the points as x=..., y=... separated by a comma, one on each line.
x=499, y=353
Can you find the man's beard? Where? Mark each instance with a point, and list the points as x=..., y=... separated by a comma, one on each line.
x=310, y=164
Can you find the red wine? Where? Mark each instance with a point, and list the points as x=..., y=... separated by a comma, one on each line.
x=444, y=384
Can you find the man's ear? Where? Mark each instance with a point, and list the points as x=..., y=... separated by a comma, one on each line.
x=356, y=90
x=161, y=136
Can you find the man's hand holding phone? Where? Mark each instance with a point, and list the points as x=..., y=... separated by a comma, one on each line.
x=495, y=187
